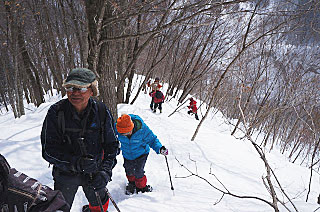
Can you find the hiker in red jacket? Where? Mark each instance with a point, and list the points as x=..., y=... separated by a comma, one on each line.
x=157, y=98
x=155, y=86
x=193, y=108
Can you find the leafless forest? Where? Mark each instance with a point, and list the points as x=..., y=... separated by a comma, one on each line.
x=263, y=55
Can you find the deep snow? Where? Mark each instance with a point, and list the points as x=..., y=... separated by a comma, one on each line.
x=234, y=162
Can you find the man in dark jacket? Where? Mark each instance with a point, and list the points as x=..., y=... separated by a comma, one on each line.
x=80, y=142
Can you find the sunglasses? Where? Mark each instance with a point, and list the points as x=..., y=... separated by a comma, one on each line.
x=73, y=89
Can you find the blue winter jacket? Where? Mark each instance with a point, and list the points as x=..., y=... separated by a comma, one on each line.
x=139, y=142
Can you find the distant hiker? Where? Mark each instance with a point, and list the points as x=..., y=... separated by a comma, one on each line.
x=158, y=99
x=18, y=192
x=155, y=86
x=193, y=108
x=78, y=138
x=136, y=139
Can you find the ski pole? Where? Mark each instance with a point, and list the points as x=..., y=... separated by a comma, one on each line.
x=113, y=202
x=99, y=201
x=169, y=172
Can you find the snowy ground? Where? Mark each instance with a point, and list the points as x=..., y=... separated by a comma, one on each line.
x=234, y=162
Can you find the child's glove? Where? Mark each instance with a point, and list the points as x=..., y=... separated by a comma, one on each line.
x=163, y=150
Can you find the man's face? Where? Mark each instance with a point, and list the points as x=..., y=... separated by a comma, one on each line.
x=78, y=98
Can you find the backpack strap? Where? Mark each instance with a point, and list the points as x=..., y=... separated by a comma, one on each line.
x=61, y=121
x=102, y=115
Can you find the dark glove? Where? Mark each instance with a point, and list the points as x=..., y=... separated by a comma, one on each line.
x=100, y=180
x=163, y=150
x=87, y=165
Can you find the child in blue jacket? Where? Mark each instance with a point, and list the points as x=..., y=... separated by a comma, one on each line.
x=136, y=139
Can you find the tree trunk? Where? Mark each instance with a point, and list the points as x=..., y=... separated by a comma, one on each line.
x=99, y=56
x=4, y=99
x=47, y=53
x=122, y=61
x=83, y=43
x=135, y=50
x=27, y=64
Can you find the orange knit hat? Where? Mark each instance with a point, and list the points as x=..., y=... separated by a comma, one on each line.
x=124, y=124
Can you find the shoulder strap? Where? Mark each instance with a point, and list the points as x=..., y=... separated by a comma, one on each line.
x=102, y=115
x=61, y=121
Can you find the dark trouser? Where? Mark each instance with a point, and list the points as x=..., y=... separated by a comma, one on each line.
x=156, y=105
x=151, y=104
x=68, y=185
x=195, y=114
x=135, y=170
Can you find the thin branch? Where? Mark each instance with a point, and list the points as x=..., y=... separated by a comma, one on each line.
x=220, y=190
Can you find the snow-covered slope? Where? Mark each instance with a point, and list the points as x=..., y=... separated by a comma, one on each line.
x=213, y=155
